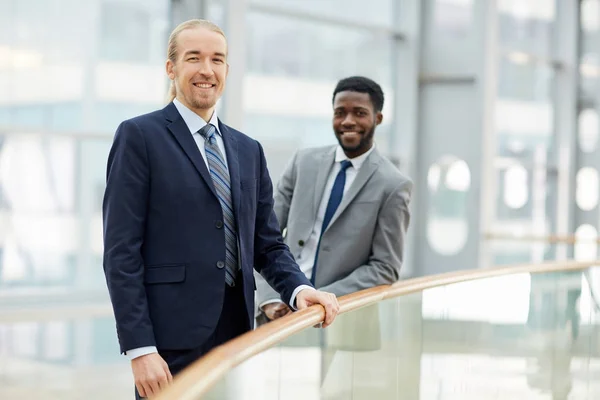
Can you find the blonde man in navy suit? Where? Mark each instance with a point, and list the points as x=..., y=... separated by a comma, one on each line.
x=188, y=213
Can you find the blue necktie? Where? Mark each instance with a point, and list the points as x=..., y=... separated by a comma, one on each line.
x=335, y=198
x=222, y=184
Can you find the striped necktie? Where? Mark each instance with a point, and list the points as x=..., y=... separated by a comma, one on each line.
x=222, y=184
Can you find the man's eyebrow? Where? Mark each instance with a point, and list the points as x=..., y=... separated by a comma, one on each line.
x=354, y=108
x=198, y=52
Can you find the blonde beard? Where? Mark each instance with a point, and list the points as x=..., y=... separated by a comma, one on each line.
x=202, y=104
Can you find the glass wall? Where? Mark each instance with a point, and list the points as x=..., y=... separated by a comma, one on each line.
x=440, y=344
x=586, y=178
x=67, y=66
x=295, y=54
x=524, y=127
x=70, y=72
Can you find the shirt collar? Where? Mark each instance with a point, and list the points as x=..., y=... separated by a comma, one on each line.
x=193, y=121
x=357, y=162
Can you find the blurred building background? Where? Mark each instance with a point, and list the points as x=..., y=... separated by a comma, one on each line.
x=491, y=107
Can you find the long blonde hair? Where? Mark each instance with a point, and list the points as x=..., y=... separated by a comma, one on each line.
x=172, y=48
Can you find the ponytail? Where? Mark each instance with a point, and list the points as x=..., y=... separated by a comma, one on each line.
x=172, y=92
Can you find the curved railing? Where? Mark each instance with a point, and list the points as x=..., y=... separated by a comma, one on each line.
x=202, y=375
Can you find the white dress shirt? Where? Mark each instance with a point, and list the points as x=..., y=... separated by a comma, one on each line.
x=309, y=250
x=194, y=123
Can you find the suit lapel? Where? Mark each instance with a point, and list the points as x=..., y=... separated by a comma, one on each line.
x=324, y=164
x=233, y=163
x=366, y=170
x=179, y=129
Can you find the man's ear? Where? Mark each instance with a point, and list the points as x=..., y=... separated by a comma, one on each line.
x=170, y=67
x=378, y=118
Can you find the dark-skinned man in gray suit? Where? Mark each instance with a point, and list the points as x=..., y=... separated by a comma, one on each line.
x=345, y=207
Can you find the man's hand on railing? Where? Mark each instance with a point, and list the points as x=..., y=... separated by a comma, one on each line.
x=309, y=297
x=151, y=374
x=276, y=310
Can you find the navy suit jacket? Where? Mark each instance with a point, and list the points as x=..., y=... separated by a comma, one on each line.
x=164, y=241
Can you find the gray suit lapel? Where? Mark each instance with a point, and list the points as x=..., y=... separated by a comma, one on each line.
x=366, y=170
x=324, y=163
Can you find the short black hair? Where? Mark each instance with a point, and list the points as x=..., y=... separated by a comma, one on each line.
x=362, y=85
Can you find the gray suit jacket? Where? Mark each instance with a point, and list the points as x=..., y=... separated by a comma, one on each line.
x=364, y=243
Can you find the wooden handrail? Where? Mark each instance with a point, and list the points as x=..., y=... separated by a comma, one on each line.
x=567, y=239
x=204, y=373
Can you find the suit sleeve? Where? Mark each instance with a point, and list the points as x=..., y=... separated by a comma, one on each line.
x=272, y=257
x=283, y=200
x=387, y=248
x=124, y=215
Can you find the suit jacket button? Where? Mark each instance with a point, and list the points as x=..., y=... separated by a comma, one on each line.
x=219, y=224
x=220, y=264
x=300, y=242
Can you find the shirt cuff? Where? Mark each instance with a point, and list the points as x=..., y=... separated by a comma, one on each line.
x=264, y=303
x=295, y=293
x=140, y=351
